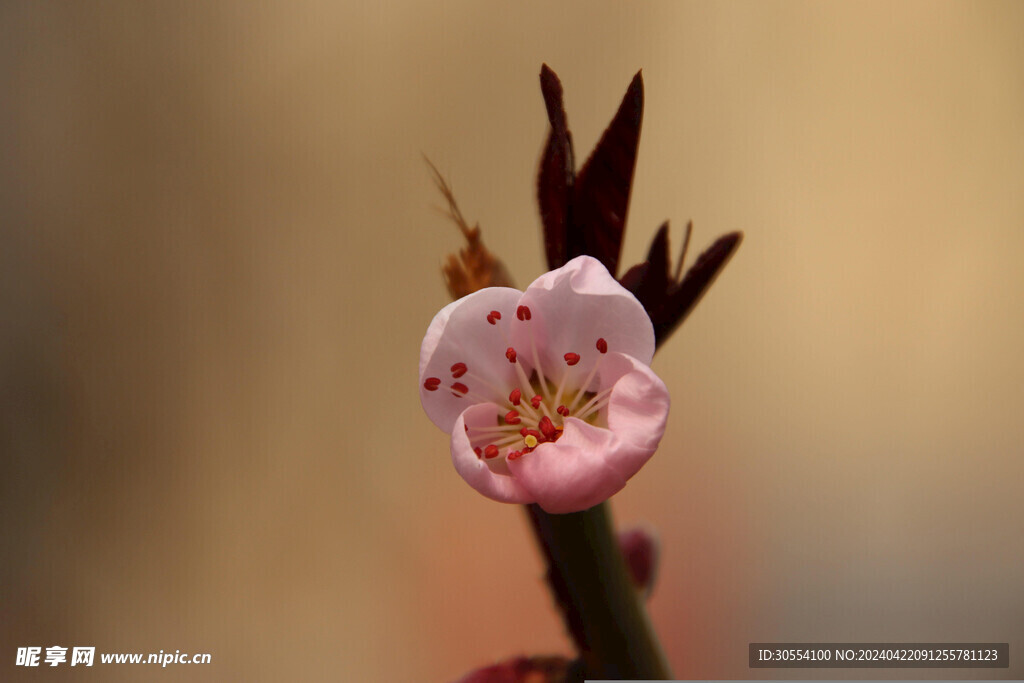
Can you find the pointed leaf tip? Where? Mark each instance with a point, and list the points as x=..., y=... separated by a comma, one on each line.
x=557, y=173
x=601, y=197
x=696, y=282
x=551, y=89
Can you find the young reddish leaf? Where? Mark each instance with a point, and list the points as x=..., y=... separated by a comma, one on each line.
x=601, y=195
x=697, y=281
x=656, y=281
x=556, y=176
x=666, y=298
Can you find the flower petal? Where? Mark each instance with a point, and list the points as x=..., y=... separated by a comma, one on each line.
x=589, y=464
x=573, y=473
x=574, y=306
x=461, y=333
x=475, y=471
x=638, y=406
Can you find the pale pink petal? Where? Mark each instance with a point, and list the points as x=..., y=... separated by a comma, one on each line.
x=571, y=309
x=477, y=474
x=638, y=406
x=589, y=464
x=460, y=333
x=573, y=473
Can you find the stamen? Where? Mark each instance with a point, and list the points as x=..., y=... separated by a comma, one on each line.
x=536, y=401
x=518, y=395
x=497, y=397
x=479, y=452
x=515, y=455
x=459, y=389
x=597, y=406
x=512, y=356
x=572, y=358
x=432, y=383
x=523, y=313
x=563, y=411
x=565, y=377
x=506, y=441
x=512, y=417
x=601, y=344
x=592, y=405
x=491, y=451
x=492, y=431
x=493, y=317
x=547, y=427
x=458, y=370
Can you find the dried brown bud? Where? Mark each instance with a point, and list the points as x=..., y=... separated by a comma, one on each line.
x=474, y=267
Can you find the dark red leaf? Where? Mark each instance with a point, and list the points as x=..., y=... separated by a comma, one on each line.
x=695, y=283
x=556, y=176
x=601, y=196
x=657, y=280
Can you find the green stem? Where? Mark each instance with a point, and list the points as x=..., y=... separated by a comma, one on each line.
x=602, y=608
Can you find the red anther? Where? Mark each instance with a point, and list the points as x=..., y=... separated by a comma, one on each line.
x=459, y=389
x=466, y=427
x=512, y=417
x=524, y=431
x=531, y=432
x=515, y=455
x=515, y=397
x=491, y=451
x=563, y=411
x=602, y=345
x=523, y=313
x=432, y=383
x=510, y=353
x=496, y=315
x=479, y=453
x=458, y=370
x=548, y=428
x=572, y=358
x=536, y=401
x=493, y=317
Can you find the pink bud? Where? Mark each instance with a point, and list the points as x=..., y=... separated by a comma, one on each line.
x=521, y=670
x=640, y=549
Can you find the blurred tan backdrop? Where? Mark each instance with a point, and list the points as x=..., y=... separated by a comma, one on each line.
x=218, y=259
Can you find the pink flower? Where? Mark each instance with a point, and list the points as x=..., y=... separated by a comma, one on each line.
x=547, y=393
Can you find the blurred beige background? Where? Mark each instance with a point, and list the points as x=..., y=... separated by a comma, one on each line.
x=218, y=259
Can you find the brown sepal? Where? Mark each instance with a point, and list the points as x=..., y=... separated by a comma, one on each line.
x=474, y=267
